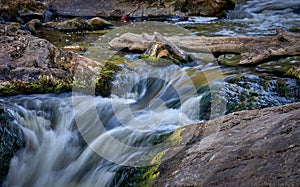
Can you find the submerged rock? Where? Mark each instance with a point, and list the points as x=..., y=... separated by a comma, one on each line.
x=11, y=140
x=247, y=148
x=33, y=65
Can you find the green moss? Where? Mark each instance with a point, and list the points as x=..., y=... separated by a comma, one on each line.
x=152, y=172
x=139, y=176
x=230, y=59
x=43, y=85
x=104, y=82
x=175, y=137
x=293, y=72
x=144, y=176
x=283, y=89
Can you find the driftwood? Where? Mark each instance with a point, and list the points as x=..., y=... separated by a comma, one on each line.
x=254, y=50
x=161, y=48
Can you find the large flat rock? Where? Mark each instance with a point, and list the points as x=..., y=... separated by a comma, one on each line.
x=247, y=148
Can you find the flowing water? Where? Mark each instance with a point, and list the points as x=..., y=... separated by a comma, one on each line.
x=83, y=140
x=256, y=17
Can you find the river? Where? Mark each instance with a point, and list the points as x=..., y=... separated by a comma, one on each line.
x=74, y=139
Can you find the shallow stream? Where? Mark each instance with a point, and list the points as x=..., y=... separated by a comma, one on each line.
x=85, y=140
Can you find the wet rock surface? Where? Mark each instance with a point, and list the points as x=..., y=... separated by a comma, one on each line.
x=247, y=148
x=11, y=140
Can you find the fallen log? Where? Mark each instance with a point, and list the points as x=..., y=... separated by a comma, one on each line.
x=254, y=50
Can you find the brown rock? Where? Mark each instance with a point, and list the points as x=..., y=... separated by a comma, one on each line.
x=204, y=7
x=30, y=64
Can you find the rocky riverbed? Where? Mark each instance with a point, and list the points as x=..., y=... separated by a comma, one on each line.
x=247, y=148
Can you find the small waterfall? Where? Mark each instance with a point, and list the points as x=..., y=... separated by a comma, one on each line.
x=80, y=140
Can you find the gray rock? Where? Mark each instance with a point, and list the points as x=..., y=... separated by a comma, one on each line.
x=11, y=140
x=247, y=148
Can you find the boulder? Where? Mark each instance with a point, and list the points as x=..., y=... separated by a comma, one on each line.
x=98, y=23
x=76, y=24
x=204, y=7
x=247, y=148
x=11, y=140
x=33, y=25
x=30, y=65
x=22, y=10
x=79, y=24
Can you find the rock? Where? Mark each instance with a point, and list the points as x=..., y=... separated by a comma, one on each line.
x=204, y=7
x=255, y=92
x=247, y=92
x=11, y=140
x=247, y=148
x=98, y=23
x=76, y=24
x=118, y=8
x=79, y=24
x=33, y=25
x=22, y=10
x=30, y=65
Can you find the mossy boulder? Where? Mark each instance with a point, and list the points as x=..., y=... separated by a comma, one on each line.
x=31, y=65
x=98, y=23
x=79, y=24
x=76, y=24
